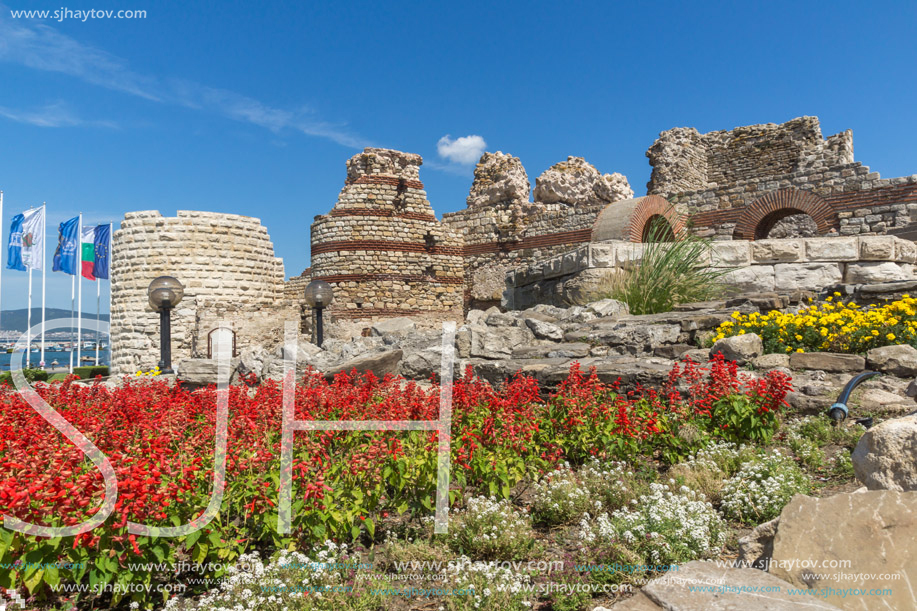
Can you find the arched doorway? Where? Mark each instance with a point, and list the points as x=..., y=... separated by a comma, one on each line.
x=766, y=213
x=786, y=223
x=657, y=229
x=629, y=220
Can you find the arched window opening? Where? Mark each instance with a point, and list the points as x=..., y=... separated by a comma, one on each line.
x=221, y=340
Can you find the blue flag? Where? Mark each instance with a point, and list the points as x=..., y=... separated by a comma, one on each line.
x=67, y=255
x=14, y=254
x=102, y=258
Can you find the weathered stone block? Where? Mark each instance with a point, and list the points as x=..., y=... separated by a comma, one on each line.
x=870, y=272
x=807, y=276
x=877, y=248
x=603, y=255
x=775, y=251
x=827, y=361
x=831, y=249
x=735, y=253
x=754, y=278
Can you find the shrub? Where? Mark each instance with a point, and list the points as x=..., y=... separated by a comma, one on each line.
x=673, y=269
x=292, y=581
x=87, y=373
x=491, y=529
x=822, y=431
x=559, y=498
x=659, y=528
x=806, y=450
x=830, y=326
x=708, y=470
x=612, y=484
x=842, y=464
x=494, y=586
x=761, y=488
x=31, y=375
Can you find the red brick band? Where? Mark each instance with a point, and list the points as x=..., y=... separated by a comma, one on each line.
x=394, y=277
x=540, y=241
x=416, y=216
x=419, y=247
x=387, y=180
x=387, y=312
x=837, y=202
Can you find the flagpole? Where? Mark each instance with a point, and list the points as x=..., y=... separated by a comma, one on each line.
x=44, y=269
x=98, y=315
x=72, y=297
x=111, y=239
x=1, y=266
x=28, y=317
x=79, y=289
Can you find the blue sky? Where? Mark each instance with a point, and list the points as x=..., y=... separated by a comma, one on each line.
x=254, y=108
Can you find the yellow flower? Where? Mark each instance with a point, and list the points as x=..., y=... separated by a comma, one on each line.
x=890, y=337
x=798, y=338
x=799, y=350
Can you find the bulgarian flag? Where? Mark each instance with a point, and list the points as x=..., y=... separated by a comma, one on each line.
x=88, y=252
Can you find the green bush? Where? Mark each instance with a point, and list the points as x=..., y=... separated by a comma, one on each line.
x=31, y=375
x=87, y=373
x=674, y=269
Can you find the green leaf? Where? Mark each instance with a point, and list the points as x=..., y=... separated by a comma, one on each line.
x=191, y=539
x=371, y=527
x=200, y=554
x=32, y=578
x=355, y=532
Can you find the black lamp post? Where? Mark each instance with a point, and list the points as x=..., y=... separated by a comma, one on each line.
x=319, y=295
x=165, y=293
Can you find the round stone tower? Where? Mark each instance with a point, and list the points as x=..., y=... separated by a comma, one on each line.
x=381, y=246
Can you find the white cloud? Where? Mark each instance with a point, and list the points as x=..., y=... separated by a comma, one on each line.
x=43, y=48
x=465, y=150
x=51, y=115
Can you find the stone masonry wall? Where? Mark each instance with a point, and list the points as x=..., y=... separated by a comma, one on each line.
x=381, y=246
x=810, y=264
x=226, y=263
x=502, y=229
x=722, y=181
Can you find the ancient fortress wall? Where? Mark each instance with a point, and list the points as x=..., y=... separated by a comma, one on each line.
x=226, y=263
x=785, y=265
x=739, y=184
x=382, y=247
x=502, y=229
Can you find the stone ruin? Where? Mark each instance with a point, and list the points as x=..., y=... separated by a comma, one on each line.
x=387, y=255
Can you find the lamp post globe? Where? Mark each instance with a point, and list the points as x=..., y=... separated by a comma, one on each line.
x=319, y=296
x=165, y=293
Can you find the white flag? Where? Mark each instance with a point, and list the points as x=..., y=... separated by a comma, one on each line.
x=33, y=238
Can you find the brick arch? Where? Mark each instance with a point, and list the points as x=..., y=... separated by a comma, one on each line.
x=653, y=206
x=627, y=219
x=762, y=213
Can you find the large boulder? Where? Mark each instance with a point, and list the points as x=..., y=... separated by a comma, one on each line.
x=575, y=182
x=700, y=585
x=394, y=326
x=609, y=308
x=543, y=329
x=498, y=177
x=874, y=535
x=900, y=360
x=885, y=458
x=739, y=348
x=757, y=547
x=496, y=342
x=827, y=361
x=198, y=372
x=379, y=363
